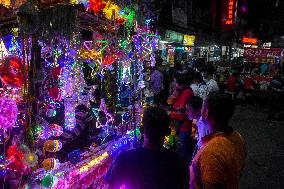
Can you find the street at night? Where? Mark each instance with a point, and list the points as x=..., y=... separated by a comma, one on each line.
x=141, y=94
x=264, y=166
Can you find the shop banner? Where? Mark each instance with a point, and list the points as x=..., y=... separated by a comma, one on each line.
x=172, y=36
x=263, y=53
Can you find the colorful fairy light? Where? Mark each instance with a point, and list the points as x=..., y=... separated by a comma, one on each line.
x=8, y=113
x=6, y=3
x=90, y=54
x=96, y=5
x=69, y=112
x=92, y=163
x=111, y=10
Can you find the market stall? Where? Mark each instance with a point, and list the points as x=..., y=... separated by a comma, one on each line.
x=76, y=95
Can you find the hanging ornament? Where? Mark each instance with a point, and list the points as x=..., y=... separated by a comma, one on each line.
x=12, y=71
x=48, y=181
x=55, y=130
x=8, y=113
x=51, y=164
x=55, y=72
x=55, y=93
x=52, y=145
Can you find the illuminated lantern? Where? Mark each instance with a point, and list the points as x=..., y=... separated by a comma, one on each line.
x=48, y=181
x=55, y=130
x=12, y=71
x=54, y=93
x=96, y=6
x=50, y=164
x=8, y=113
x=52, y=145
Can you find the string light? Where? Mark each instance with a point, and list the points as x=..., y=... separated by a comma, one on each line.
x=3, y=50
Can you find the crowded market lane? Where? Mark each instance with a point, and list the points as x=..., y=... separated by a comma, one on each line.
x=265, y=147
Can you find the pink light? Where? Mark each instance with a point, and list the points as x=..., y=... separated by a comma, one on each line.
x=8, y=113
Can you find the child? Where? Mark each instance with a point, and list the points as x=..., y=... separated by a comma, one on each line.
x=194, y=108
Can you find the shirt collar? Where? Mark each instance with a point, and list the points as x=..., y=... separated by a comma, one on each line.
x=209, y=137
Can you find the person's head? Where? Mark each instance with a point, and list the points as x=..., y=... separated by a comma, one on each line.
x=194, y=107
x=207, y=73
x=197, y=77
x=217, y=111
x=155, y=125
x=181, y=81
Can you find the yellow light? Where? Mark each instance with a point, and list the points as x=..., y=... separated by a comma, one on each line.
x=73, y=1
x=111, y=10
x=6, y=3
x=93, y=162
x=90, y=54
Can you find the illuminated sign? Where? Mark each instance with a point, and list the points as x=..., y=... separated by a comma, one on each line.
x=189, y=40
x=249, y=40
x=172, y=36
x=230, y=12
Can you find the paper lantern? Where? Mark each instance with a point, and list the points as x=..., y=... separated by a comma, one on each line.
x=8, y=113
x=50, y=164
x=52, y=145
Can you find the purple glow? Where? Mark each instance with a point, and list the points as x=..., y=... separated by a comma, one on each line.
x=8, y=113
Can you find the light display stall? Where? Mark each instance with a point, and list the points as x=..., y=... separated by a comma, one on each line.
x=71, y=91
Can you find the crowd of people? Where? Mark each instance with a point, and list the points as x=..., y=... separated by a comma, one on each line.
x=205, y=153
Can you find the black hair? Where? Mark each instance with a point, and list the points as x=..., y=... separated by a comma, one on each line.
x=155, y=123
x=195, y=103
x=221, y=107
x=182, y=79
x=198, y=77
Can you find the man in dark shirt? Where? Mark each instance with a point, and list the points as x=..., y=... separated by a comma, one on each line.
x=151, y=166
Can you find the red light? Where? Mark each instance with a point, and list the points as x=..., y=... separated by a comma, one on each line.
x=249, y=40
x=230, y=12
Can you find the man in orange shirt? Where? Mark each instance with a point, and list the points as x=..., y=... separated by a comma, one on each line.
x=221, y=158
